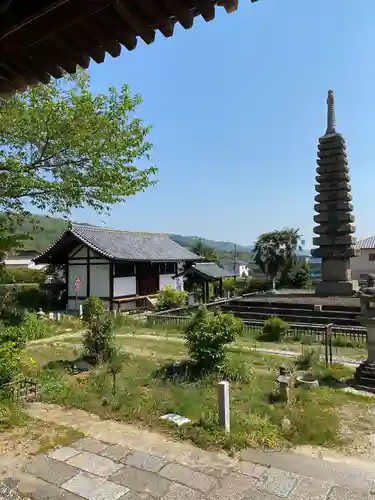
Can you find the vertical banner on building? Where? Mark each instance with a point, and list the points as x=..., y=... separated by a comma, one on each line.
x=77, y=287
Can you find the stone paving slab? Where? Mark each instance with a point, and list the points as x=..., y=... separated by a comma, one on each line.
x=89, y=444
x=116, y=452
x=93, y=487
x=50, y=470
x=37, y=489
x=145, y=461
x=277, y=482
x=142, y=481
x=63, y=454
x=188, y=477
x=94, y=464
x=323, y=470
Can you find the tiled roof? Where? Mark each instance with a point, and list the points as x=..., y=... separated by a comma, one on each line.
x=117, y=244
x=211, y=270
x=367, y=243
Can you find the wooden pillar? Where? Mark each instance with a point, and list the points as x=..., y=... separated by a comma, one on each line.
x=221, y=288
x=207, y=291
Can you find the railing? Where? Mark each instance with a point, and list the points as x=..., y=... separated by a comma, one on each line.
x=297, y=330
x=210, y=305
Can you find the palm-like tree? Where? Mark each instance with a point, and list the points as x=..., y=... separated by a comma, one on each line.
x=274, y=252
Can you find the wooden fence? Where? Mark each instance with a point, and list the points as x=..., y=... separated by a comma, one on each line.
x=300, y=331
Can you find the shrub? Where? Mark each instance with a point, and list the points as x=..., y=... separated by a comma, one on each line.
x=93, y=307
x=332, y=374
x=169, y=298
x=229, y=285
x=34, y=327
x=32, y=298
x=308, y=359
x=274, y=329
x=10, y=360
x=98, y=338
x=207, y=336
x=114, y=366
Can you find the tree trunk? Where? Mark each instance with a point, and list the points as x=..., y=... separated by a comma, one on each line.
x=273, y=279
x=114, y=384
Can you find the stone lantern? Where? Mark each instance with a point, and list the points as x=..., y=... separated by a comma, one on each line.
x=365, y=373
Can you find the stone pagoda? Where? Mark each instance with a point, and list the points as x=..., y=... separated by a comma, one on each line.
x=335, y=228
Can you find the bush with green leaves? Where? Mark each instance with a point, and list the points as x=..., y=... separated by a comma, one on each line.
x=12, y=344
x=207, y=336
x=98, y=338
x=170, y=298
x=308, y=359
x=93, y=307
x=274, y=329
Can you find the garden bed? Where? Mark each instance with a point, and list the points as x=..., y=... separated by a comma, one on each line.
x=145, y=393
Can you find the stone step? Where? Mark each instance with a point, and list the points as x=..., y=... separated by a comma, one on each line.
x=291, y=318
x=296, y=311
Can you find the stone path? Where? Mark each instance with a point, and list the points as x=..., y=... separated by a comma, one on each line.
x=95, y=470
x=122, y=462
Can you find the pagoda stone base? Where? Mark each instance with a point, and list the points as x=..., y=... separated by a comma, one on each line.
x=365, y=375
x=339, y=288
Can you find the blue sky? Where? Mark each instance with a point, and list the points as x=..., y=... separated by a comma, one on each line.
x=237, y=106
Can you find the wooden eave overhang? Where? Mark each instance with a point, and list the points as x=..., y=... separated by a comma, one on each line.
x=40, y=39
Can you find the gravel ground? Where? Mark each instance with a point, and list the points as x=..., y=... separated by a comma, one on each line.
x=9, y=494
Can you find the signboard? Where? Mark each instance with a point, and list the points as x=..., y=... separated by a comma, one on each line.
x=77, y=287
x=77, y=284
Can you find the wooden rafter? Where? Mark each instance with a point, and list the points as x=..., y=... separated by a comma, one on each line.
x=44, y=38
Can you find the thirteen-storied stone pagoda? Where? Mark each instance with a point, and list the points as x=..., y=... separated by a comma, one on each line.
x=333, y=205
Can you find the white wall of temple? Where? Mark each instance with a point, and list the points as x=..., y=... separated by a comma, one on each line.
x=165, y=280
x=99, y=280
x=124, y=286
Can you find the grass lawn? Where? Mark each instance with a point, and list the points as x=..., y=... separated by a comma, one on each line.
x=324, y=416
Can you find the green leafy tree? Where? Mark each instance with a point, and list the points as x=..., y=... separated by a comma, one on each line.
x=207, y=253
x=99, y=337
x=300, y=276
x=275, y=252
x=64, y=147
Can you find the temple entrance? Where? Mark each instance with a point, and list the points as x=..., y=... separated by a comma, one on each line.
x=147, y=279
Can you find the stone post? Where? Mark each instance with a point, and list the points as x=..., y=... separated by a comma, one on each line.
x=365, y=373
x=224, y=412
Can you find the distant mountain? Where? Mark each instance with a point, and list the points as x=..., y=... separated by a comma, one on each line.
x=53, y=227
x=219, y=246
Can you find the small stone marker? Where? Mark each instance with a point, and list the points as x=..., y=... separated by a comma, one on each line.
x=224, y=413
x=58, y=316
x=114, y=312
x=175, y=418
x=51, y=316
x=80, y=310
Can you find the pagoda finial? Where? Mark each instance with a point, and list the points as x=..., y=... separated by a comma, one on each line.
x=331, y=117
